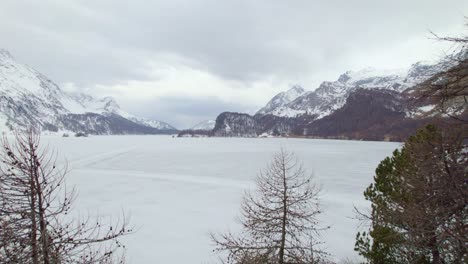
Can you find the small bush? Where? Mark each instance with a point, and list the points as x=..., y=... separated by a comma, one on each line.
x=81, y=134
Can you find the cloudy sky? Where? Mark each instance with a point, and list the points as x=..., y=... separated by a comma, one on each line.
x=184, y=61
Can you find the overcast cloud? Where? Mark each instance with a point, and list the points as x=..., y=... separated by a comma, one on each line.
x=183, y=61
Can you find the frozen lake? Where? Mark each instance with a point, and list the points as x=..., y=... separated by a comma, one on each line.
x=177, y=190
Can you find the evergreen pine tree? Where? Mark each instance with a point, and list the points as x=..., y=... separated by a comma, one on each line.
x=420, y=202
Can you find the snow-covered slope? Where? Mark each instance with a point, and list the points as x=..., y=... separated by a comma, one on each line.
x=88, y=104
x=150, y=123
x=330, y=96
x=281, y=100
x=205, y=125
x=30, y=99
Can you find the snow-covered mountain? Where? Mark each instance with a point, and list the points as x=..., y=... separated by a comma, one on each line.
x=331, y=96
x=366, y=104
x=281, y=100
x=205, y=125
x=29, y=99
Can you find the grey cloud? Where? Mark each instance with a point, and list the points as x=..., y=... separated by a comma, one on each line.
x=109, y=41
x=103, y=41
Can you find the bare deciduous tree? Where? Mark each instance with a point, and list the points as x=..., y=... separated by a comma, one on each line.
x=279, y=220
x=35, y=222
x=448, y=89
x=459, y=39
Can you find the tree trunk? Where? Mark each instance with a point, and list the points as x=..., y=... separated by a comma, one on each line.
x=42, y=221
x=435, y=251
x=35, y=253
x=34, y=171
x=283, y=222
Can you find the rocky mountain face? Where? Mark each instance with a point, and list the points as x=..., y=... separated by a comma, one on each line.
x=235, y=125
x=367, y=114
x=28, y=99
x=367, y=104
x=374, y=114
x=231, y=124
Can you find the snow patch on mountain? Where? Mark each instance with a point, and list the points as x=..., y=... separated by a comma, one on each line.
x=149, y=122
x=205, y=125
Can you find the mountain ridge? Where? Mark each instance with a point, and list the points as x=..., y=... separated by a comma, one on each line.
x=331, y=95
x=28, y=99
x=366, y=104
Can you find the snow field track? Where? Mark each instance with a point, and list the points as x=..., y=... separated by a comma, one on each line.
x=178, y=190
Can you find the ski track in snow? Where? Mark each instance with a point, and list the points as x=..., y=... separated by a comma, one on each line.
x=130, y=174
x=98, y=158
x=178, y=190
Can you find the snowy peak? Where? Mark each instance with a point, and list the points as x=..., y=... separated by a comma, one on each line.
x=79, y=103
x=5, y=54
x=19, y=80
x=110, y=105
x=373, y=78
x=205, y=125
x=371, y=72
x=366, y=104
x=294, y=92
x=30, y=99
x=282, y=99
x=332, y=95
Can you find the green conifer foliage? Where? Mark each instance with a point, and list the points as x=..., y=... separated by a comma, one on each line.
x=419, y=202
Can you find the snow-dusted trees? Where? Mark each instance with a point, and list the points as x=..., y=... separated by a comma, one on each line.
x=279, y=220
x=35, y=225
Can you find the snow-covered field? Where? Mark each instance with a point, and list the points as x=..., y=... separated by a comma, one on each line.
x=178, y=190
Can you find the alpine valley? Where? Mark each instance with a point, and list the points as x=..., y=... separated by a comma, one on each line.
x=369, y=104
x=28, y=99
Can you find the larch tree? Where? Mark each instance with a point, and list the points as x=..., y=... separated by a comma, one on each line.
x=279, y=220
x=35, y=205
